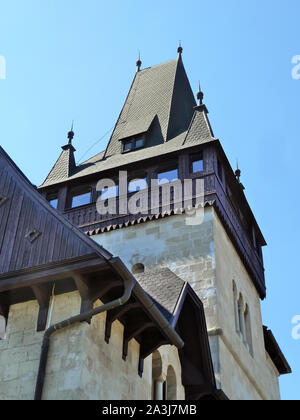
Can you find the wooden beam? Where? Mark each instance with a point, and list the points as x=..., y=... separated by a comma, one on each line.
x=114, y=314
x=51, y=272
x=132, y=330
x=42, y=294
x=91, y=290
x=82, y=285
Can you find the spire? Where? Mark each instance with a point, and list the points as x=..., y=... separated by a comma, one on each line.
x=200, y=95
x=238, y=171
x=71, y=134
x=238, y=175
x=138, y=63
x=179, y=49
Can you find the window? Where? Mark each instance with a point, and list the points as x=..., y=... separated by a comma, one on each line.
x=241, y=325
x=53, y=200
x=109, y=192
x=137, y=185
x=138, y=268
x=171, y=385
x=81, y=199
x=197, y=163
x=236, y=310
x=168, y=176
x=242, y=319
x=133, y=144
x=248, y=329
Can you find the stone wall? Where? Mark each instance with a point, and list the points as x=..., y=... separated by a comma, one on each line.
x=236, y=360
x=204, y=256
x=81, y=365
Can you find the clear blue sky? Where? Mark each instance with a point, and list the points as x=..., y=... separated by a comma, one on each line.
x=75, y=59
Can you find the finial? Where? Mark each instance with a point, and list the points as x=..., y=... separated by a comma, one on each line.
x=180, y=49
x=71, y=134
x=139, y=63
x=238, y=172
x=200, y=95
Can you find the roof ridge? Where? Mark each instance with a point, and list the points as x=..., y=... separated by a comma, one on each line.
x=172, y=96
x=117, y=122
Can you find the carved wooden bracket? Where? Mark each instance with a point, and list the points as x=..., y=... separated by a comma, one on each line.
x=114, y=314
x=42, y=294
x=133, y=330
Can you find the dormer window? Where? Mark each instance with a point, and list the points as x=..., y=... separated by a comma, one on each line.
x=134, y=143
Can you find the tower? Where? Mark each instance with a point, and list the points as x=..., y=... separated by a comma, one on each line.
x=163, y=143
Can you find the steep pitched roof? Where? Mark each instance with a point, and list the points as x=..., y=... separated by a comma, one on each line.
x=164, y=288
x=162, y=93
x=161, y=103
x=65, y=165
x=32, y=233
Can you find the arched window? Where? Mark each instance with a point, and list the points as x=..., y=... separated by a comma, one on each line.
x=235, y=303
x=138, y=268
x=241, y=317
x=248, y=329
x=158, y=381
x=171, y=387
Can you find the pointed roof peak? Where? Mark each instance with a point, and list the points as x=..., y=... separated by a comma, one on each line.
x=65, y=165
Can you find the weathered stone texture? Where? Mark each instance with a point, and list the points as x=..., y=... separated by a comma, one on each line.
x=81, y=365
x=204, y=256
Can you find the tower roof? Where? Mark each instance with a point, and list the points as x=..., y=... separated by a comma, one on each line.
x=65, y=165
x=159, y=95
x=160, y=103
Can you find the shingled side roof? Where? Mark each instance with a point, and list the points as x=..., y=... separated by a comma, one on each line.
x=164, y=287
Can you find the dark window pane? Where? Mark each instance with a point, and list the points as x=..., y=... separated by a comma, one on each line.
x=168, y=176
x=139, y=142
x=81, y=199
x=197, y=166
x=54, y=203
x=127, y=145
